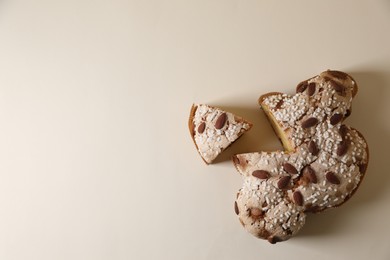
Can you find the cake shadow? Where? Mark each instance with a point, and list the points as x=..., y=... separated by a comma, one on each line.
x=367, y=117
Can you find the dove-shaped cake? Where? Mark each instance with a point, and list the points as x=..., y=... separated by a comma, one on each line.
x=323, y=163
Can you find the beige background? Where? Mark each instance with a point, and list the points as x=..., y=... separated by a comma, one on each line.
x=96, y=161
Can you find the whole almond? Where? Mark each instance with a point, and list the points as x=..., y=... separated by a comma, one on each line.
x=221, y=121
x=342, y=148
x=336, y=118
x=332, y=178
x=343, y=131
x=310, y=122
x=201, y=127
x=261, y=174
x=236, y=208
x=312, y=208
x=283, y=182
x=313, y=149
x=311, y=89
x=362, y=167
x=338, y=74
x=289, y=168
x=298, y=198
x=235, y=159
x=302, y=87
x=347, y=113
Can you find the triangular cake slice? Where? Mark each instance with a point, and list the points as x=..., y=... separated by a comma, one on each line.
x=213, y=130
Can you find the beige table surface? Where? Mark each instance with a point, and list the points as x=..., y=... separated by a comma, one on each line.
x=96, y=161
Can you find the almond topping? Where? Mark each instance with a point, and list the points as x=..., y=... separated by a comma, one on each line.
x=336, y=118
x=201, y=127
x=302, y=87
x=236, y=208
x=332, y=178
x=261, y=174
x=283, y=182
x=338, y=74
x=343, y=131
x=311, y=89
x=298, y=198
x=310, y=122
x=289, y=168
x=342, y=148
x=221, y=121
x=313, y=149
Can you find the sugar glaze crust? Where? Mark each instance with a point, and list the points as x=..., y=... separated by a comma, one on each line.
x=322, y=168
x=213, y=130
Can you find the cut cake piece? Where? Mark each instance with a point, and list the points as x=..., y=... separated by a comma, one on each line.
x=213, y=130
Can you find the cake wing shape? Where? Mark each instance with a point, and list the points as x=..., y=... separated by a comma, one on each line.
x=213, y=130
x=322, y=166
